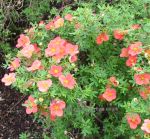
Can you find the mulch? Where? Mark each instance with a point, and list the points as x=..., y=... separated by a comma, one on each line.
x=13, y=119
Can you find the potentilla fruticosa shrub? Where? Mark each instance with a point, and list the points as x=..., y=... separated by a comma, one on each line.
x=75, y=66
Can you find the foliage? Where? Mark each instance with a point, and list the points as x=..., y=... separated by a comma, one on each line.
x=24, y=136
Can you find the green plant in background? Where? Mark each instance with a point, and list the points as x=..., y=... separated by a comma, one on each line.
x=106, y=94
x=24, y=136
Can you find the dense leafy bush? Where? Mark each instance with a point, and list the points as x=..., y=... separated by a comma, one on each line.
x=86, y=71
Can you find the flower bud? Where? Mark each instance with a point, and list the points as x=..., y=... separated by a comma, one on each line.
x=35, y=101
x=65, y=132
x=41, y=99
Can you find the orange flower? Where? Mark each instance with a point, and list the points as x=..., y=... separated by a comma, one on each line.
x=136, y=26
x=35, y=65
x=54, y=46
x=109, y=94
x=67, y=81
x=59, y=23
x=142, y=79
x=31, y=106
x=72, y=49
x=61, y=54
x=56, y=71
x=145, y=92
x=119, y=35
x=146, y=126
x=102, y=38
x=113, y=81
x=73, y=59
x=23, y=41
x=50, y=26
x=41, y=23
x=77, y=25
x=69, y=17
x=36, y=48
x=44, y=85
x=14, y=64
x=56, y=108
x=131, y=61
x=133, y=120
x=124, y=52
x=134, y=49
x=101, y=97
x=8, y=79
x=27, y=51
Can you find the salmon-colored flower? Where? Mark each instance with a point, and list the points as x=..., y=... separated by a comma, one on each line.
x=31, y=32
x=100, y=97
x=69, y=17
x=57, y=42
x=58, y=57
x=73, y=59
x=131, y=61
x=14, y=64
x=54, y=46
x=61, y=54
x=119, y=35
x=50, y=26
x=72, y=49
x=136, y=26
x=44, y=85
x=133, y=120
x=35, y=65
x=142, y=79
x=102, y=38
x=77, y=25
x=56, y=71
x=145, y=92
x=138, y=69
x=109, y=94
x=31, y=106
x=134, y=49
x=36, y=48
x=8, y=79
x=113, y=81
x=56, y=108
x=67, y=81
x=59, y=23
x=124, y=52
x=52, y=117
x=143, y=95
x=41, y=23
x=51, y=51
x=27, y=51
x=23, y=41
x=146, y=126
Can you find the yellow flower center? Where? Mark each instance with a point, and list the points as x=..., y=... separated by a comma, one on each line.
x=135, y=49
x=53, y=50
x=56, y=107
x=142, y=78
x=9, y=79
x=55, y=71
x=109, y=94
x=148, y=126
x=66, y=81
x=57, y=42
x=45, y=85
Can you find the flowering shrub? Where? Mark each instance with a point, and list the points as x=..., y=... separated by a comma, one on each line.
x=80, y=67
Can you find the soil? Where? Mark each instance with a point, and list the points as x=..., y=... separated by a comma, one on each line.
x=13, y=119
